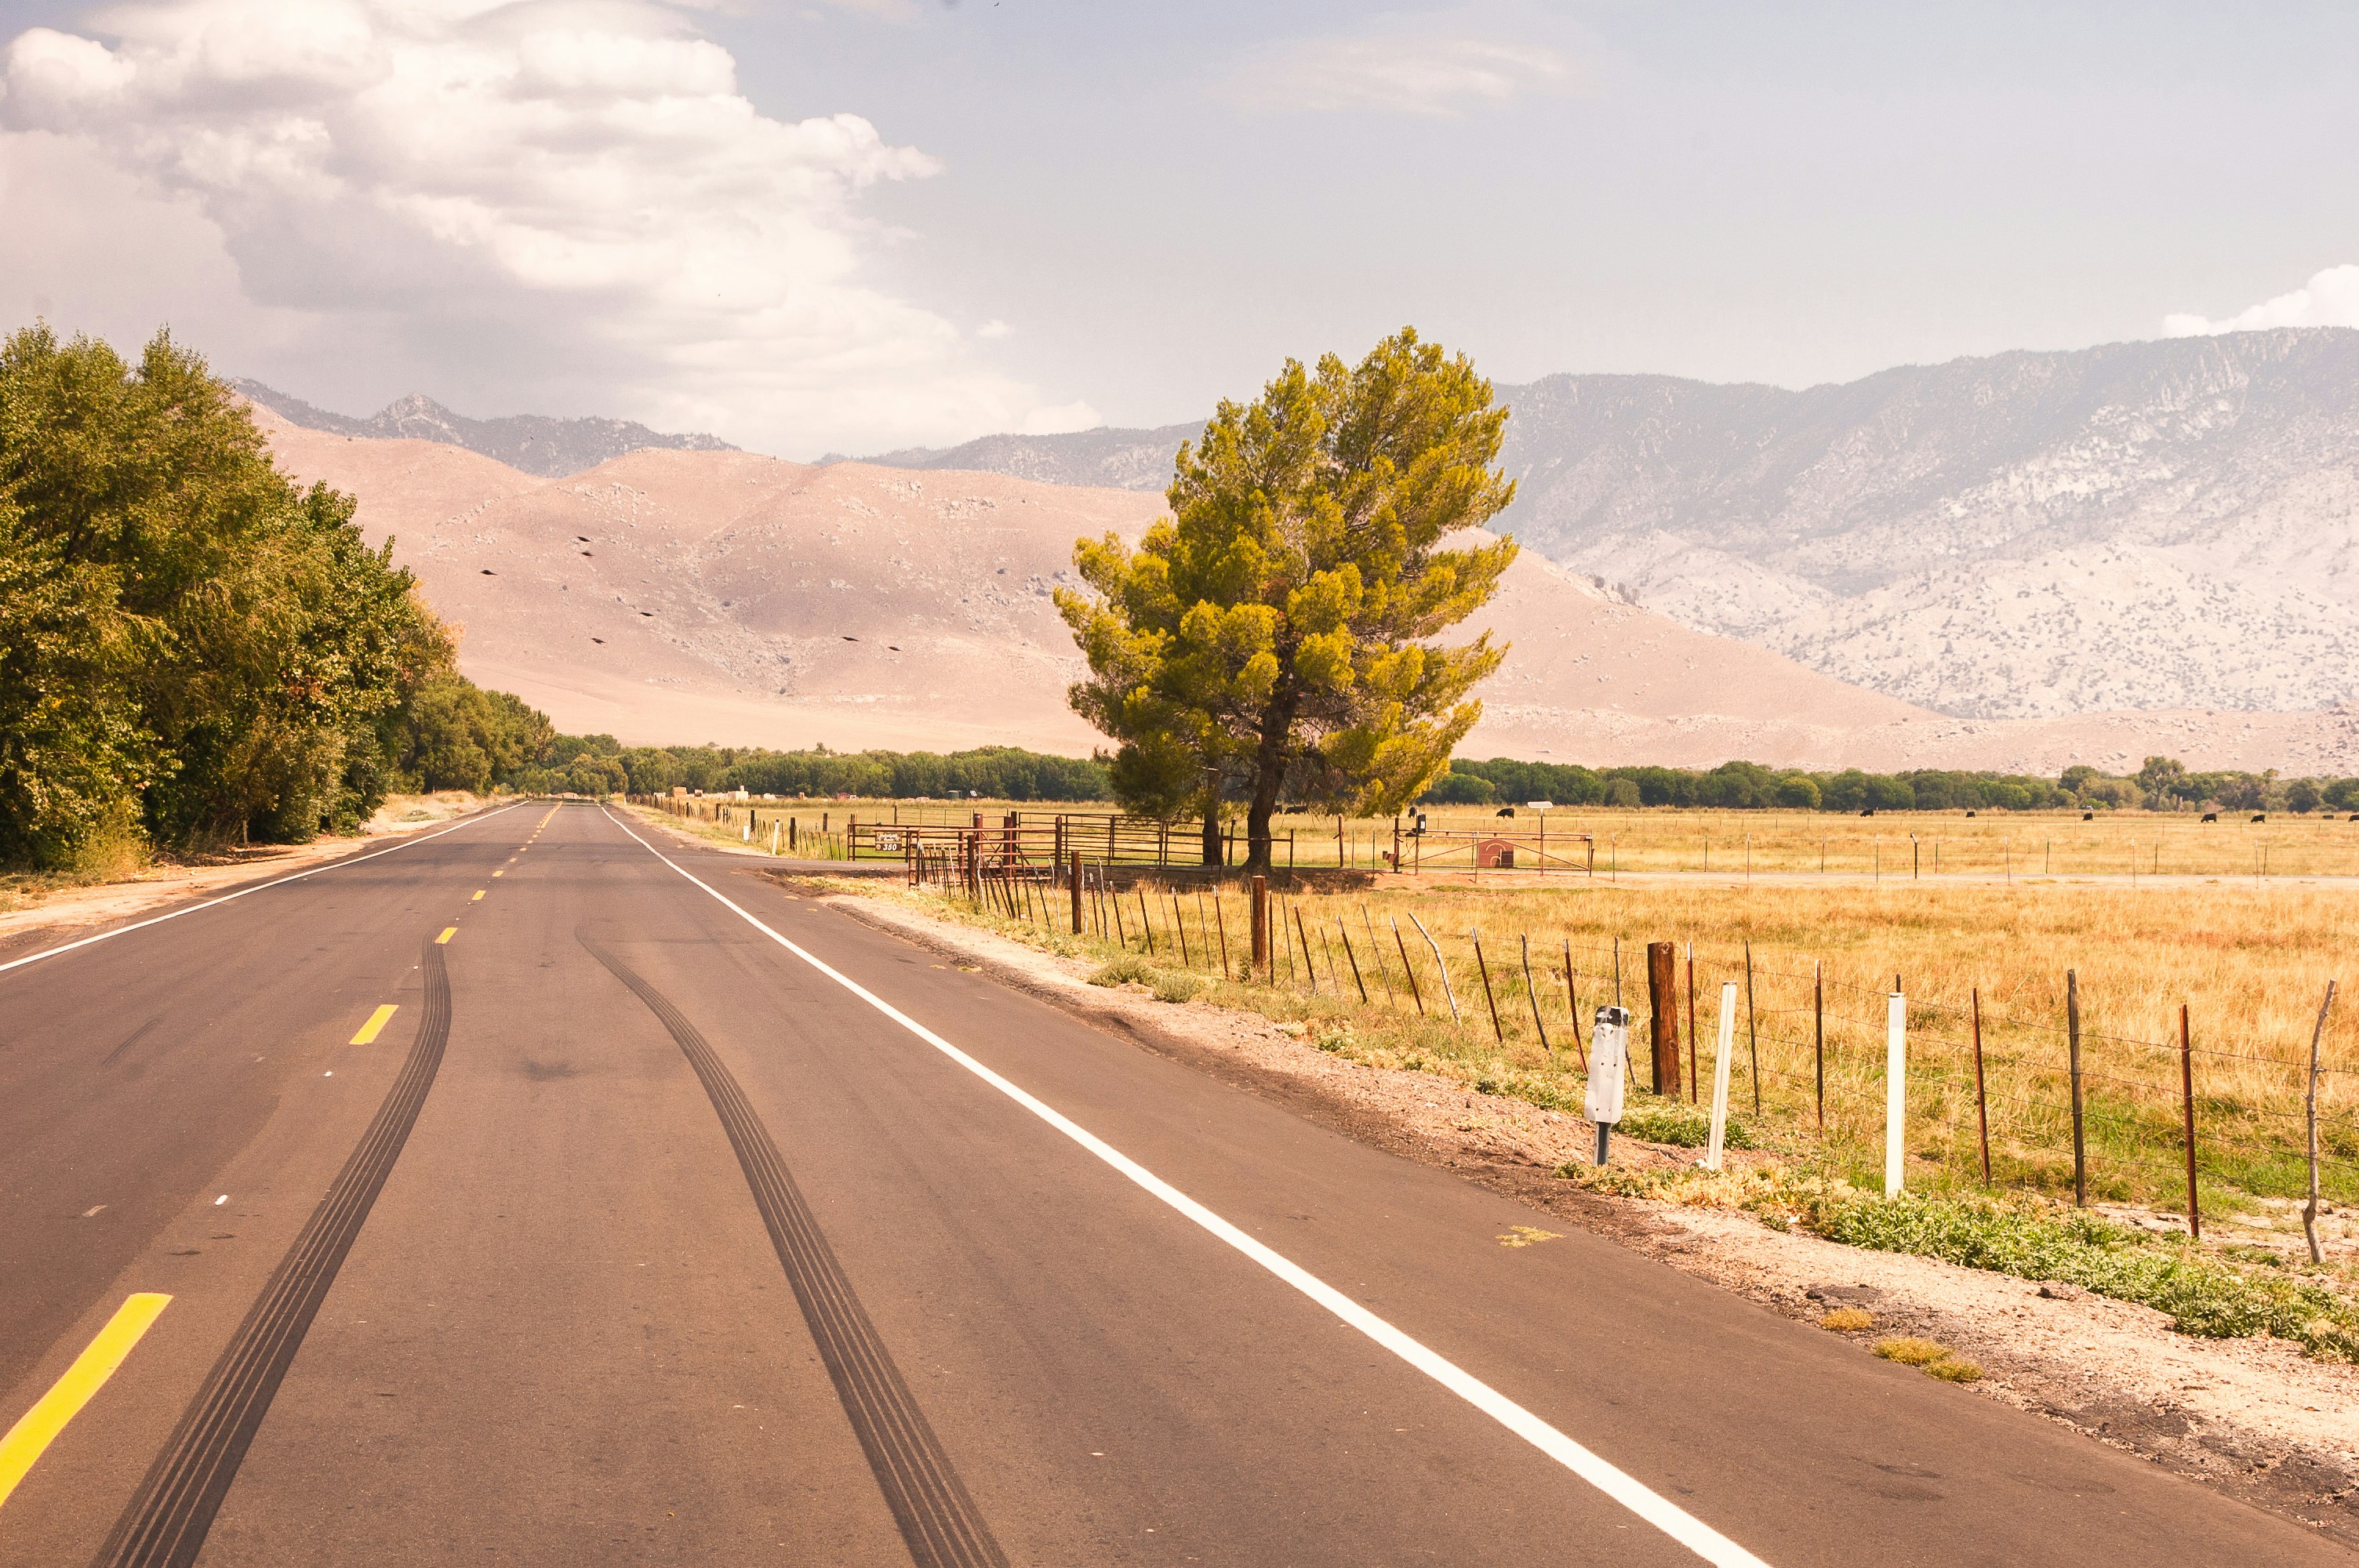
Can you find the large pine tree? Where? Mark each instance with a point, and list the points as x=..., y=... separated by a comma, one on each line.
x=1275, y=639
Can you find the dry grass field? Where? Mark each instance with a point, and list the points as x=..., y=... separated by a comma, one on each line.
x=2241, y=924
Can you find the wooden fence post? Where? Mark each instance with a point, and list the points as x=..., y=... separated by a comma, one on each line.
x=1662, y=995
x=1345, y=931
x=1075, y=880
x=1476, y=937
x=2073, y=1038
x=2187, y=1101
x=1303, y=940
x=1376, y=952
x=1416, y=995
x=1572, y=1007
x=1262, y=960
x=1533, y=992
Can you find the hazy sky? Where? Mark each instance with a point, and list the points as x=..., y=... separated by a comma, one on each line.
x=856, y=225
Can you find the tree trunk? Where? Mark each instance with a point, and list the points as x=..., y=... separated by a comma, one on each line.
x=1213, y=833
x=1269, y=775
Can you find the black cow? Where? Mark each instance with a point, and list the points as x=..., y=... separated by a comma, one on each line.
x=1506, y=811
x=2211, y=817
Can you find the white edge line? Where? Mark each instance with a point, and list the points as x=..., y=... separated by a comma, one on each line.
x=258, y=887
x=1631, y=1493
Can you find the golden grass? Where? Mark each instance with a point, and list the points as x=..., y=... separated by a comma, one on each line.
x=1910, y=1352
x=1848, y=1320
x=1896, y=847
x=2251, y=964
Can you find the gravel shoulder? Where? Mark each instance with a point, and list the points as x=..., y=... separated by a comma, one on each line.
x=2252, y=1418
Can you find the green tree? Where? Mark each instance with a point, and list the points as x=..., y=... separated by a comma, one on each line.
x=1273, y=640
x=181, y=619
x=74, y=753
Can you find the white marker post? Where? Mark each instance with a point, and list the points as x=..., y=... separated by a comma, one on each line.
x=1895, y=1092
x=1609, y=1046
x=1719, y=1074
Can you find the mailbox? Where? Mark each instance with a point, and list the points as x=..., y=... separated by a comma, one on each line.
x=1609, y=1049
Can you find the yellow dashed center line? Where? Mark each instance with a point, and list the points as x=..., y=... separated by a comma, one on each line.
x=376, y=1022
x=34, y=1432
x=478, y=898
x=448, y=932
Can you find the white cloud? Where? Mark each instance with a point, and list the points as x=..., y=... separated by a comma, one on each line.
x=567, y=201
x=1413, y=73
x=995, y=328
x=2331, y=298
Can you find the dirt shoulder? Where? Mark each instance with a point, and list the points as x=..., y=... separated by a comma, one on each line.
x=2251, y=1417
x=38, y=918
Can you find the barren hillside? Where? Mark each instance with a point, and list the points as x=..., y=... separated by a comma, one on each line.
x=683, y=596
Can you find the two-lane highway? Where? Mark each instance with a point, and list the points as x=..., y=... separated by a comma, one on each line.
x=669, y=1217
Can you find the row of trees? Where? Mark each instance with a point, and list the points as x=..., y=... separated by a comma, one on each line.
x=192, y=649
x=2163, y=785
x=996, y=773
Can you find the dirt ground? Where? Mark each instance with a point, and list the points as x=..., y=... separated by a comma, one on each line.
x=47, y=917
x=2252, y=1417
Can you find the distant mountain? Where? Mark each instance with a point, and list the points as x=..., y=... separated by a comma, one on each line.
x=531, y=442
x=1115, y=460
x=2138, y=526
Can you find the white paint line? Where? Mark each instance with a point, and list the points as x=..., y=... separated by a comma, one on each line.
x=221, y=1200
x=1615, y=1483
x=259, y=887
x=92, y=1211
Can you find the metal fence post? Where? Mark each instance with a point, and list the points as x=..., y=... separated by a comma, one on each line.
x=2187, y=1102
x=1262, y=960
x=2079, y=1139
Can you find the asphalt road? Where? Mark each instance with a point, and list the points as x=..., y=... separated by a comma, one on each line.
x=670, y=1219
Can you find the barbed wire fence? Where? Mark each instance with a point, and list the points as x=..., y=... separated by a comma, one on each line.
x=2015, y=1095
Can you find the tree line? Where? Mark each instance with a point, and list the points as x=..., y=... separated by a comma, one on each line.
x=193, y=649
x=991, y=773
x=2164, y=784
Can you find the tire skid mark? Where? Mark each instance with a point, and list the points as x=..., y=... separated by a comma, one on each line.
x=939, y=1522
x=165, y=1523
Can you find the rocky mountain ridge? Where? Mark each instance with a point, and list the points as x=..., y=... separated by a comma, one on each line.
x=531, y=443
x=2135, y=526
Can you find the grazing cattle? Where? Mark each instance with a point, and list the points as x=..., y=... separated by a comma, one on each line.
x=2088, y=816
x=2355, y=817
x=2211, y=817
x=1869, y=812
x=1969, y=814
x=1506, y=811
x=2260, y=816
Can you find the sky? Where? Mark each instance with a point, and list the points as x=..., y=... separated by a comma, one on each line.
x=852, y=225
